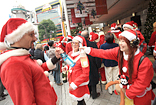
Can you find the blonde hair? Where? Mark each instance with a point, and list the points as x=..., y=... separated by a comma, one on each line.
x=39, y=46
x=154, y=26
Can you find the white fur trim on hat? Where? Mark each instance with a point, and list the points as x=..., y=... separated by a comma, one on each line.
x=17, y=34
x=127, y=25
x=78, y=38
x=101, y=33
x=130, y=36
x=2, y=46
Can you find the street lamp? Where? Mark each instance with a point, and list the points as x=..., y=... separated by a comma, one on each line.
x=43, y=26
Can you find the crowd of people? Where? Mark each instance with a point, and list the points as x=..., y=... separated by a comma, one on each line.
x=25, y=68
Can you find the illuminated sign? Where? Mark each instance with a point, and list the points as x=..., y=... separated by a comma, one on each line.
x=46, y=7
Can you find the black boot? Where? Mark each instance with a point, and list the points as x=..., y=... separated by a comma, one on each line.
x=2, y=98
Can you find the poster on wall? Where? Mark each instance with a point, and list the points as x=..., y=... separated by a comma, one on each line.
x=80, y=9
x=94, y=8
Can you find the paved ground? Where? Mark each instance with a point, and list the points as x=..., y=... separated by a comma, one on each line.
x=62, y=92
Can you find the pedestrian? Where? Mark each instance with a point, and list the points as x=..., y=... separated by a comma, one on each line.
x=22, y=76
x=40, y=54
x=131, y=25
x=128, y=57
x=153, y=38
x=111, y=66
x=116, y=32
x=2, y=94
x=95, y=64
x=56, y=71
x=68, y=45
x=78, y=76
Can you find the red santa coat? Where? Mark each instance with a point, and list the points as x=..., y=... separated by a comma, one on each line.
x=140, y=89
x=25, y=80
x=152, y=39
x=68, y=47
x=78, y=78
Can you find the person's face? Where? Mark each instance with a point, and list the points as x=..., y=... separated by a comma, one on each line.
x=123, y=46
x=75, y=45
x=27, y=41
x=125, y=28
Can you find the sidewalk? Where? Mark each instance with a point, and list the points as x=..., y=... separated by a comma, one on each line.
x=62, y=92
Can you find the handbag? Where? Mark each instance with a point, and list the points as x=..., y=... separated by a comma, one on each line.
x=57, y=66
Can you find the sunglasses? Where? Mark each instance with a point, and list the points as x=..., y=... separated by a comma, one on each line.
x=75, y=43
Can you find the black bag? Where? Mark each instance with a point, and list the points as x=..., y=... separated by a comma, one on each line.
x=57, y=66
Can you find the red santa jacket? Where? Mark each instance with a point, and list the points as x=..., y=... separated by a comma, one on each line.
x=25, y=79
x=68, y=47
x=152, y=39
x=140, y=89
x=78, y=78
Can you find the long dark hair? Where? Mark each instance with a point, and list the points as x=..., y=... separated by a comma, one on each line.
x=132, y=51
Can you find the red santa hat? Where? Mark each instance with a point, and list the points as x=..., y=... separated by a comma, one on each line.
x=135, y=26
x=129, y=25
x=69, y=37
x=81, y=40
x=101, y=33
x=61, y=39
x=93, y=36
x=13, y=30
x=129, y=34
x=113, y=26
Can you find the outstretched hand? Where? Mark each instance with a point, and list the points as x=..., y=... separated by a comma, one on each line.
x=58, y=51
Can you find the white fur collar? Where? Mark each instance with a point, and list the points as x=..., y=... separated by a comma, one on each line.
x=16, y=52
x=126, y=56
x=115, y=31
x=75, y=53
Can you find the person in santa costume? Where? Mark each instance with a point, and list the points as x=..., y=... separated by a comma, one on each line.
x=95, y=64
x=115, y=32
x=128, y=56
x=153, y=37
x=132, y=25
x=22, y=76
x=78, y=76
x=68, y=45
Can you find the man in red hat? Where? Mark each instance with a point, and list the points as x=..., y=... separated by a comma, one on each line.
x=68, y=45
x=22, y=76
x=115, y=31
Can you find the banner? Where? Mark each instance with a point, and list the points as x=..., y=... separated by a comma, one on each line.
x=101, y=7
x=87, y=20
x=74, y=19
x=80, y=10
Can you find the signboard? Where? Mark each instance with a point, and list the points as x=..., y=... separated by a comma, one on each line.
x=46, y=7
x=80, y=10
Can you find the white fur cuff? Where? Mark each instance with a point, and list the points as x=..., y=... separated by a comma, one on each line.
x=87, y=50
x=50, y=64
x=73, y=85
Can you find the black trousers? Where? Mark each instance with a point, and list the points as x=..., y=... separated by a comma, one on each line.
x=82, y=102
x=1, y=87
x=92, y=90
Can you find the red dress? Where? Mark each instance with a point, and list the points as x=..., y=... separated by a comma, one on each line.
x=140, y=89
x=25, y=80
x=78, y=78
